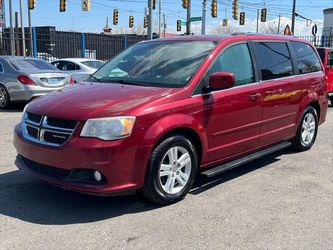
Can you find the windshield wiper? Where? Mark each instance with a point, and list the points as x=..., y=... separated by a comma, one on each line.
x=129, y=82
x=95, y=78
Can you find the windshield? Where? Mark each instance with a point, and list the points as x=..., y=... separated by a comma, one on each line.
x=31, y=64
x=321, y=53
x=158, y=64
x=93, y=64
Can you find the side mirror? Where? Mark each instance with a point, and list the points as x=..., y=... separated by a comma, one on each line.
x=221, y=80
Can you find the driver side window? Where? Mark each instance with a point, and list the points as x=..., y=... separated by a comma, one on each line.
x=235, y=59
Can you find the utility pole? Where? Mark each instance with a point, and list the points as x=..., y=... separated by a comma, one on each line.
x=30, y=31
x=150, y=20
x=164, y=25
x=159, y=16
x=293, y=17
x=22, y=28
x=257, y=20
x=11, y=29
x=203, y=22
x=188, y=19
x=278, y=31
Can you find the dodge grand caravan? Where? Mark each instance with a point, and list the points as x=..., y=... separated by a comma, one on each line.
x=165, y=110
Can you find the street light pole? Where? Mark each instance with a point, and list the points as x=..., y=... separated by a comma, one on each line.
x=11, y=29
x=22, y=28
x=150, y=21
x=293, y=17
x=188, y=19
x=30, y=31
x=203, y=22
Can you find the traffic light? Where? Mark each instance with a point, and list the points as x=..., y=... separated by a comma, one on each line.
x=145, y=22
x=154, y=4
x=179, y=25
x=185, y=4
x=131, y=21
x=235, y=10
x=242, y=18
x=32, y=4
x=214, y=8
x=263, y=15
x=85, y=5
x=115, y=16
x=63, y=5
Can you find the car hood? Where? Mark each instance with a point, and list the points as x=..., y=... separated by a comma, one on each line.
x=90, y=100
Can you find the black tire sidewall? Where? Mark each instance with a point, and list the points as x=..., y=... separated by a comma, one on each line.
x=298, y=139
x=156, y=161
x=7, y=96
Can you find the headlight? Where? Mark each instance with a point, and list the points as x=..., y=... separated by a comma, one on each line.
x=109, y=129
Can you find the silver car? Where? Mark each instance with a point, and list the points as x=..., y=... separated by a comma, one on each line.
x=25, y=78
x=79, y=68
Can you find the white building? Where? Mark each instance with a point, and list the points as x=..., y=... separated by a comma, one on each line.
x=328, y=22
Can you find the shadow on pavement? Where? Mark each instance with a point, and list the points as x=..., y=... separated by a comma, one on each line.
x=35, y=201
x=14, y=107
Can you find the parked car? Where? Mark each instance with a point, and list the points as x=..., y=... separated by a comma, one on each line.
x=25, y=78
x=165, y=110
x=79, y=68
x=326, y=55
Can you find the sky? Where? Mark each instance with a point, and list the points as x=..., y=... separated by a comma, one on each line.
x=47, y=13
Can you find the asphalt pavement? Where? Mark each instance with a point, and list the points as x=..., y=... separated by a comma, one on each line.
x=283, y=201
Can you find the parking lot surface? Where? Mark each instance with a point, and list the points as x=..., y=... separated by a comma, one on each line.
x=283, y=201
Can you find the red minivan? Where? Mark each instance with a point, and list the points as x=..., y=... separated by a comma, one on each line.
x=165, y=110
x=326, y=55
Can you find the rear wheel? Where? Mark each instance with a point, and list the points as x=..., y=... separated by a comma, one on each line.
x=307, y=130
x=4, y=97
x=172, y=170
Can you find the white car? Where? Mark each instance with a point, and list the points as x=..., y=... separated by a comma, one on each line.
x=79, y=68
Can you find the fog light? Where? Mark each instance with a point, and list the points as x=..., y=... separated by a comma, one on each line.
x=97, y=176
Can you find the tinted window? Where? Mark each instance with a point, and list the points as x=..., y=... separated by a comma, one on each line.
x=330, y=59
x=274, y=60
x=236, y=59
x=31, y=64
x=307, y=60
x=321, y=53
x=1, y=68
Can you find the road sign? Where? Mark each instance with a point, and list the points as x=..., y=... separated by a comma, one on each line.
x=196, y=18
x=314, y=30
x=183, y=23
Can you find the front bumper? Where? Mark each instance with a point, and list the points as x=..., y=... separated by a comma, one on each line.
x=122, y=164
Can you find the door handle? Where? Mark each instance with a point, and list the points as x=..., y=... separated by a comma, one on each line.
x=254, y=97
x=269, y=92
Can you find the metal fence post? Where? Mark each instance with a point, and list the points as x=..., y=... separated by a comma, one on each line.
x=125, y=42
x=34, y=41
x=83, y=45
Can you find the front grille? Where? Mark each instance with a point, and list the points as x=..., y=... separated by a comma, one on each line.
x=47, y=130
x=45, y=170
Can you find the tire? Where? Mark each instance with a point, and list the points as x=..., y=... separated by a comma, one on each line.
x=307, y=130
x=331, y=99
x=4, y=97
x=169, y=177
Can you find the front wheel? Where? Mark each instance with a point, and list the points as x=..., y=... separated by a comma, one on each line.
x=172, y=170
x=307, y=130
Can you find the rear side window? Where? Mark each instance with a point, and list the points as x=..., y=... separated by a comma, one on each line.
x=307, y=60
x=274, y=59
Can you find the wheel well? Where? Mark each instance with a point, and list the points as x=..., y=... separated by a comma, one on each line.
x=189, y=134
x=316, y=106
